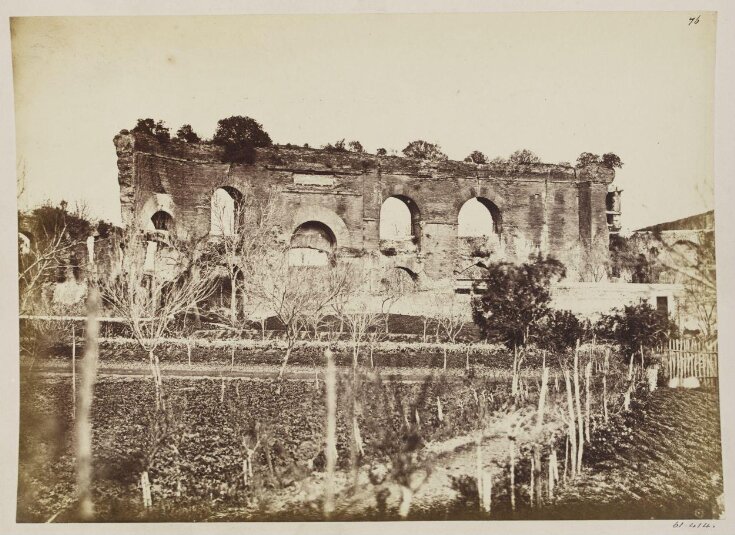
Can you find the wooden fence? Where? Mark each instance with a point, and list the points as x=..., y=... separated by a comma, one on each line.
x=689, y=358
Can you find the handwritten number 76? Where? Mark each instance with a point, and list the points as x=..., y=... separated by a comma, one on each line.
x=693, y=20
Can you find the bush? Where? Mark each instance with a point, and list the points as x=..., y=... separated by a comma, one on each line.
x=515, y=300
x=153, y=128
x=636, y=326
x=561, y=331
x=240, y=136
x=187, y=134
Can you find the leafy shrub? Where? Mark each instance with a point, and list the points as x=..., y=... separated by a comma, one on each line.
x=561, y=330
x=515, y=299
x=187, y=134
x=476, y=157
x=636, y=326
x=240, y=136
x=153, y=128
x=423, y=150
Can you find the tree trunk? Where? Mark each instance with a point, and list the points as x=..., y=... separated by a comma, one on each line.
x=406, y=499
x=285, y=359
x=146, y=488
x=445, y=357
x=233, y=302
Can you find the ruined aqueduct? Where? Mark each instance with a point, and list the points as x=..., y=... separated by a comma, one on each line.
x=435, y=221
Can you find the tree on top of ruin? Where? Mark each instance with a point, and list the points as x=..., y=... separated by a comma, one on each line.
x=609, y=160
x=152, y=128
x=476, y=157
x=187, y=134
x=355, y=146
x=240, y=136
x=523, y=156
x=423, y=150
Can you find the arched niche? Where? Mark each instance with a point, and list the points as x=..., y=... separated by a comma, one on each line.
x=162, y=220
x=312, y=244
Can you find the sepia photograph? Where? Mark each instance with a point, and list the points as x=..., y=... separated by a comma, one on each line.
x=374, y=267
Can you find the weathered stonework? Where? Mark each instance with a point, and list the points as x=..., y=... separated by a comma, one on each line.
x=552, y=209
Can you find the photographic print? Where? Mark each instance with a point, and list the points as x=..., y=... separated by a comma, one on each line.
x=367, y=267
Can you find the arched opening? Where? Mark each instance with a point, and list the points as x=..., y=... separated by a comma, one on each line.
x=478, y=217
x=162, y=221
x=225, y=211
x=312, y=244
x=400, y=219
x=399, y=281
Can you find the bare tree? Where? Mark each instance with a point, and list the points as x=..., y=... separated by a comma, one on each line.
x=241, y=237
x=292, y=293
x=148, y=300
x=451, y=317
x=39, y=259
x=356, y=308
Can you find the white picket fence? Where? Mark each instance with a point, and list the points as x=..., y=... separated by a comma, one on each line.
x=689, y=358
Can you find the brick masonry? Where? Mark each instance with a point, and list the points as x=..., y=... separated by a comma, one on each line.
x=553, y=209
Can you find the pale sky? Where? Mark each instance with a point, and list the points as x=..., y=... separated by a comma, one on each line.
x=637, y=84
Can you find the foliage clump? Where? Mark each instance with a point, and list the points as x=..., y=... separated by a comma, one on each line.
x=153, y=128
x=609, y=160
x=423, y=150
x=187, y=134
x=515, y=299
x=635, y=326
x=240, y=136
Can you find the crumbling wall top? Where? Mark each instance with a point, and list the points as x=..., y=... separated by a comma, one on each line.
x=311, y=160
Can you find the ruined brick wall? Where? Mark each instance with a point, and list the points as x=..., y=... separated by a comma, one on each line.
x=556, y=210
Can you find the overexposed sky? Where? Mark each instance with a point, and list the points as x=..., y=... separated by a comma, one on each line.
x=637, y=84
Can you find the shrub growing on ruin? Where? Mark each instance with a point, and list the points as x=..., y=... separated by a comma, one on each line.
x=514, y=300
x=609, y=160
x=187, y=134
x=240, y=136
x=355, y=146
x=476, y=157
x=339, y=146
x=423, y=150
x=153, y=128
x=523, y=157
x=381, y=152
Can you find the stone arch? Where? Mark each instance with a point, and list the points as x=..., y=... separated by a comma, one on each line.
x=400, y=219
x=327, y=217
x=158, y=202
x=400, y=279
x=225, y=207
x=479, y=216
x=312, y=244
x=162, y=220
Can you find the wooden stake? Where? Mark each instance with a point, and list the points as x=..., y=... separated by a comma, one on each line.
x=572, y=436
x=331, y=438
x=578, y=405
x=73, y=373
x=512, y=453
x=542, y=397
x=587, y=380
